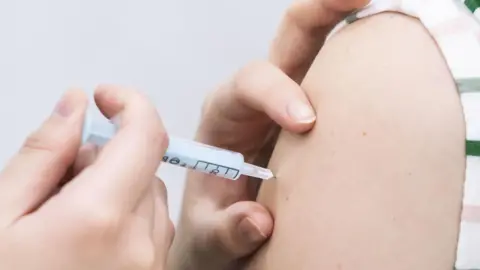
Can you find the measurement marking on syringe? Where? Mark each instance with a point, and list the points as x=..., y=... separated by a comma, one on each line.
x=216, y=169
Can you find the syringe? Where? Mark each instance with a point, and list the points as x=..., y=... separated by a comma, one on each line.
x=184, y=153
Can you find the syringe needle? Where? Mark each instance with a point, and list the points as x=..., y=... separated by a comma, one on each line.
x=257, y=172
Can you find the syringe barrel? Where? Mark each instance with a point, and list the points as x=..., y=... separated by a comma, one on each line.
x=204, y=158
x=97, y=129
x=184, y=153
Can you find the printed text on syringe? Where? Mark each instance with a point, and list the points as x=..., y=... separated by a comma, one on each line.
x=208, y=167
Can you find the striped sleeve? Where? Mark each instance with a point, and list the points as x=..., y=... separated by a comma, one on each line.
x=473, y=5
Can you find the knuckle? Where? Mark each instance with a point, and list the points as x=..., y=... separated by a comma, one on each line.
x=98, y=221
x=49, y=139
x=38, y=142
x=254, y=80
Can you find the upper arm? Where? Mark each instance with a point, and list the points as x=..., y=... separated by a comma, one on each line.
x=377, y=184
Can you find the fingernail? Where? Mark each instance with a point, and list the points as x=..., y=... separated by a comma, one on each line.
x=301, y=112
x=65, y=106
x=251, y=231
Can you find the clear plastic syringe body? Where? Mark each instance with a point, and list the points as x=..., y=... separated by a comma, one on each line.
x=184, y=153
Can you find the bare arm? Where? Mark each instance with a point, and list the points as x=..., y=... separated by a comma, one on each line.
x=378, y=182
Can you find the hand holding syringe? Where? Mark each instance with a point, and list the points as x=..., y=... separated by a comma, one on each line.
x=184, y=153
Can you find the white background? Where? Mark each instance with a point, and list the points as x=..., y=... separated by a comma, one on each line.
x=175, y=51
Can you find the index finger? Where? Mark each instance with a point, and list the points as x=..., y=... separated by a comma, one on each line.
x=303, y=31
x=124, y=169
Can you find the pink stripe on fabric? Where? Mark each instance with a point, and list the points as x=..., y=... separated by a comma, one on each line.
x=471, y=214
x=458, y=25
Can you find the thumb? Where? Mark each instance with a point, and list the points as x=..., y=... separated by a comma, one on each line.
x=35, y=171
x=245, y=226
x=303, y=31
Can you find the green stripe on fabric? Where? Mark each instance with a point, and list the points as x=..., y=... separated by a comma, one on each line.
x=472, y=4
x=473, y=148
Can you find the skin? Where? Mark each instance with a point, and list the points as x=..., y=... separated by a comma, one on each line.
x=62, y=207
x=220, y=222
x=216, y=242
x=237, y=116
x=390, y=162
x=378, y=184
x=219, y=212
